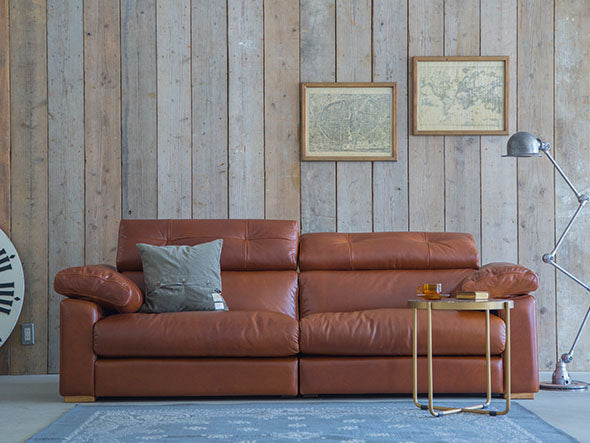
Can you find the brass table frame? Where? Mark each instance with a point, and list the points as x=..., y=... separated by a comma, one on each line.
x=461, y=305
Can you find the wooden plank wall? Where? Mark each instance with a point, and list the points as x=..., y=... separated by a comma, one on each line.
x=209, y=113
x=102, y=129
x=28, y=175
x=65, y=97
x=139, y=175
x=426, y=160
x=572, y=142
x=161, y=108
x=536, y=190
x=5, y=143
x=318, y=64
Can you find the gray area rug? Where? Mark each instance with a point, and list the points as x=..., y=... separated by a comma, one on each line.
x=294, y=421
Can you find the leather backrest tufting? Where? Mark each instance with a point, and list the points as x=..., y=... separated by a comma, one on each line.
x=248, y=245
x=387, y=251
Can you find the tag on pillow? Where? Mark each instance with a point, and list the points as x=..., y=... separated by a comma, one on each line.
x=217, y=296
x=219, y=306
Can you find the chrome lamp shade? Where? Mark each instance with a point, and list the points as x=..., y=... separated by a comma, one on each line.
x=523, y=144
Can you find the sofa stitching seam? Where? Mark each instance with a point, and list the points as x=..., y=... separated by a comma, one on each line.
x=349, y=252
x=246, y=238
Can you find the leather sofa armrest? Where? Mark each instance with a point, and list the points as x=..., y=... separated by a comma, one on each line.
x=77, y=357
x=100, y=284
x=501, y=280
x=524, y=355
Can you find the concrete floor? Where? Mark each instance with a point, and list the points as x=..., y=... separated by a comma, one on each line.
x=29, y=403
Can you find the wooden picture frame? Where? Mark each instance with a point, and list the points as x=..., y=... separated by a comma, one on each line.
x=460, y=95
x=349, y=121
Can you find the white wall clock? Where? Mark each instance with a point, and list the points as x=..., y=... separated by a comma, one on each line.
x=12, y=287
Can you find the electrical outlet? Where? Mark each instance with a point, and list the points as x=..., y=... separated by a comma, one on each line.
x=27, y=335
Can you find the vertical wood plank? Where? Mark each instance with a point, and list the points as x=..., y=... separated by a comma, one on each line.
x=102, y=125
x=28, y=81
x=65, y=71
x=318, y=64
x=281, y=109
x=462, y=153
x=246, y=109
x=426, y=154
x=536, y=182
x=5, y=145
x=5, y=117
x=353, y=64
x=499, y=231
x=390, y=64
x=174, y=109
x=209, y=113
x=138, y=109
x=572, y=140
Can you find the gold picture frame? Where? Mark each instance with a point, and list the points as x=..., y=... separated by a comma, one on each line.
x=460, y=95
x=349, y=121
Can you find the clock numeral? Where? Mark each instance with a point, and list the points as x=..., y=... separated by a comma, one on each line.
x=5, y=289
x=7, y=293
x=5, y=258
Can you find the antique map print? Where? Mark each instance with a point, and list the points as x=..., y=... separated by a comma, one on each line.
x=349, y=121
x=460, y=95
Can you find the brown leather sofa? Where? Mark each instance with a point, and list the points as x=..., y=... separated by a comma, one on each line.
x=339, y=326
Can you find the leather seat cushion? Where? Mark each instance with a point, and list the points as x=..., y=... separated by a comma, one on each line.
x=197, y=334
x=382, y=332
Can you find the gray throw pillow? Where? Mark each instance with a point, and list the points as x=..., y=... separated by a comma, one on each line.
x=182, y=278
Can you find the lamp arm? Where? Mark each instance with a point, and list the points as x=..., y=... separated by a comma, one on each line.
x=550, y=257
x=552, y=254
x=569, y=274
x=545, y=148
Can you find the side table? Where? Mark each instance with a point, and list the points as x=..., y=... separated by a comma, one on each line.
x=461, y=305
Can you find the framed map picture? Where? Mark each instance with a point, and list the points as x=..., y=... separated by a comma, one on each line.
x=460, y=95
x=348, y=121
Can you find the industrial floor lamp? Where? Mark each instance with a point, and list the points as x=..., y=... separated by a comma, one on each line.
x=523, y=144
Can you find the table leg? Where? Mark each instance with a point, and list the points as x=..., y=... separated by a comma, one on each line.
x=488, y=362
x=415, y=358
x=440, y=410
x=507, y=366
x=507, y=362
x=429, y=338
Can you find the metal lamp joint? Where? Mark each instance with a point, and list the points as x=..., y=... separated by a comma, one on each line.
x=549, y=258
x=567, y=357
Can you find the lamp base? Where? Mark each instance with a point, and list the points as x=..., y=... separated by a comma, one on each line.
x=572, y=386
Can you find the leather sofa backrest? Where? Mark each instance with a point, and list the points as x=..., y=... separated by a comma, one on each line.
x=352, y=272
x=248, y=245
x=258, y=259
x=387, y=250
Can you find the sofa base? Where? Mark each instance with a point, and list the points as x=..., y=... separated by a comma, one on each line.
x=79, y=399
x=202, y=377
x=393, y=375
